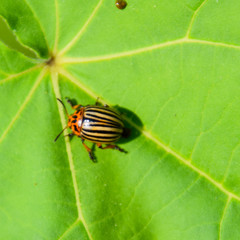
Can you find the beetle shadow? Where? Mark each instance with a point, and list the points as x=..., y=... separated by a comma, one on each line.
x=133, y=126
x=132, y=123
x=73, y=100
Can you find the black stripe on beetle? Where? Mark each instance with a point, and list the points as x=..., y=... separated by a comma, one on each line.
x=101, y=113
x=99, y=138
x=98, y=133
x=107, y=115
x=103, y=110
x=98, y=118
x=95, y=124
x=75, y=128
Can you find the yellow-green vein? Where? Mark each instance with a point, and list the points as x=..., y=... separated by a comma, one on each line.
x=57, y=28
x=121, y=54
x=166, y=205
x=27, y=99
x=223, y=214
x=148, y=171
x=78, y=35
x=69, y=229
x=54, y=75
x=193, y=18
x=39, y=23
x=158, y=142
x=15, y=75
x=77, y=60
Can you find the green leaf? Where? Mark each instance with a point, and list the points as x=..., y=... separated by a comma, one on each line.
x=173, y=67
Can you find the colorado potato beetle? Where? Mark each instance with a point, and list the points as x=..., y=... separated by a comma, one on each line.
x=97, y=124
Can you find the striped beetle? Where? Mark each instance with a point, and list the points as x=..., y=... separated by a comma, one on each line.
x=97, y=124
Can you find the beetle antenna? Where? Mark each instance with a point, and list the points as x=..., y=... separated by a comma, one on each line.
x=63, y=107
x=59, y=134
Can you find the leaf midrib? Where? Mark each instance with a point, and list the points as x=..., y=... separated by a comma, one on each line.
x=55, y=83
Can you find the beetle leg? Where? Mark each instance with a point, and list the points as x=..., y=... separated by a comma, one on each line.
x=69, y=135
x=69, y=101
x=99, y=145
x=88, y=149
x=97, y=102
x=77, y=106
x=112, y=147
x=72, y=105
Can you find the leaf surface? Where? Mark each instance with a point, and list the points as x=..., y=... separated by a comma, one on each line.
x=175, y=66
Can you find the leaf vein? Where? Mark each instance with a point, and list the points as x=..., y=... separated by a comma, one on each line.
x=166, y=205
x=107, y=57
x=55, y=84
x=15, y=75
x=201, y=131
x=57, y=28
x=69, y=229
x=141, y=180
x=230, y=162
x=158, y=142
x=27, y=99
x=38, y=21
x=223, y=214
x=81, y=31
x=194, y=17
